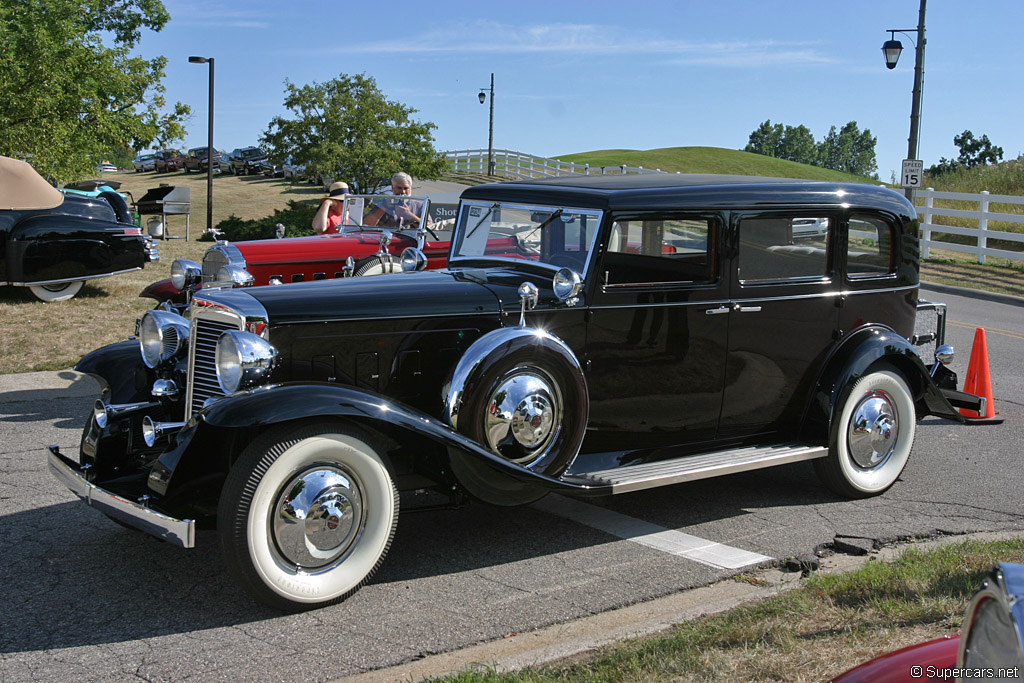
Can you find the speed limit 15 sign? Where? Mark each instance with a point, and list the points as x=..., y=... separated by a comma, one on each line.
x=913, y=172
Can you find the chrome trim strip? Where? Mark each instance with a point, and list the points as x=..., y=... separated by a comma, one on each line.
x=179, y=532
x=72, y=279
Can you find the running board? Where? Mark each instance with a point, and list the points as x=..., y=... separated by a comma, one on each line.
x=693, y=467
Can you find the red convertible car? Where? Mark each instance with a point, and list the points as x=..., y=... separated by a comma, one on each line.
x=371, y=243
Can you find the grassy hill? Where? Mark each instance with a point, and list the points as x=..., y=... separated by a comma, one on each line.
x=709, y=160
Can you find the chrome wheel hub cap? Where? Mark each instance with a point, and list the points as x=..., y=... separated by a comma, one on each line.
x=523, y=414
x=874, y=431
x=318, y=517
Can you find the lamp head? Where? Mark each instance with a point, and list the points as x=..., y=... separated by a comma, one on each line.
x=482, y=96
x=891, y=50
x=198, y=60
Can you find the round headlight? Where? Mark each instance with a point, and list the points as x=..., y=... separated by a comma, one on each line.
x=413, y=260
x=567, y=283
x=162, y=336
x=243, y=360
x=236, y=275
x=185, y=273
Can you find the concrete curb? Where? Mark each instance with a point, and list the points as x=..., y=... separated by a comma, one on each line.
x=970, y=293
x=559, y=641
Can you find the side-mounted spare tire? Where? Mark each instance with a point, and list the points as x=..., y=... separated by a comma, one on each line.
x=520, y=393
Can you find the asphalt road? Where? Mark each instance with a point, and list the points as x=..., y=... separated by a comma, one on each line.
x=86, y=599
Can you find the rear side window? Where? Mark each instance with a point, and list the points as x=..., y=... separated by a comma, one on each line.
x=660, y=249
x=869, y=248
x=779, y=247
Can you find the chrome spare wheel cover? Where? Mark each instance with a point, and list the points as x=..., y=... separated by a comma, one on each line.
x=524, y=414
x=318, y=517
x=874, y=430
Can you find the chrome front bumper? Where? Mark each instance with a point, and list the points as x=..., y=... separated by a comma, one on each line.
x=179, y=532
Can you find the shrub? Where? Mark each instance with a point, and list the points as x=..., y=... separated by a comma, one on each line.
x=297, y=220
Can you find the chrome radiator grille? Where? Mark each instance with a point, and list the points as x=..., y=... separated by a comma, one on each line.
x=202, y=372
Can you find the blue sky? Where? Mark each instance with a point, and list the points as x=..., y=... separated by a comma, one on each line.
x=575, y=76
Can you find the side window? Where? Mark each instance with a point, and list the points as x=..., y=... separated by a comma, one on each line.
x=783, y=248
x=660, y=249
x=869, y=248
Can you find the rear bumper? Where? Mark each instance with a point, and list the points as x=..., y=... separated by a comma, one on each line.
x=179, y=532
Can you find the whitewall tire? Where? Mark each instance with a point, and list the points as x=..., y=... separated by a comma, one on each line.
x=307, y=514
x=57, y=292
x=873, y=437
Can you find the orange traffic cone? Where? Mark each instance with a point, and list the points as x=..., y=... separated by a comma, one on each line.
x=979, y=382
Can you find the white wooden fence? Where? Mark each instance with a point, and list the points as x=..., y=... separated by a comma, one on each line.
x=511, y=164
x=981, y=234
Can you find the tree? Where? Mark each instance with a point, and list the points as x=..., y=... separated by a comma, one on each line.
x=978, y=152
x=346, y=129
x=973, y=152
x=65, y=97
x=766, y=140
x=849, y=151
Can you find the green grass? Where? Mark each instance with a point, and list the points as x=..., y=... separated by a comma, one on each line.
x=709, y=160
x=829, y=624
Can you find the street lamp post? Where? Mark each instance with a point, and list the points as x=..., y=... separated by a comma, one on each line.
x=209, y=151
x=490, y=137
x=891, y=50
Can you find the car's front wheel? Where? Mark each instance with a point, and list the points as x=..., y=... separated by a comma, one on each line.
x=872, y=437
x=307, y=514
x=57, y=292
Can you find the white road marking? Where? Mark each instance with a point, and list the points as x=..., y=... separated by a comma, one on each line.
x=650, y=535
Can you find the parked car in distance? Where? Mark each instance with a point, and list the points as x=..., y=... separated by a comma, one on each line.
x=271, y=170
x=168, y=160
x=107, y=167
x=247, y=161
x=589, y=335
x=359, y=250
x=293, y=171
x=52, y=241
x=990, y=645
x=144, y=162
x=198, y=159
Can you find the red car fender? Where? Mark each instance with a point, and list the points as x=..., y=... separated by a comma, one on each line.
x=920, y=663
x=163, y=290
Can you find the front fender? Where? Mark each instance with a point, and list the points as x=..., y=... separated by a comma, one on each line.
x=119, y=369
x=298, y=401
x=163, y=290
x=858, y=352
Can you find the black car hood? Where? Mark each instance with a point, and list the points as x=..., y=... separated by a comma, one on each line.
x=404, y=295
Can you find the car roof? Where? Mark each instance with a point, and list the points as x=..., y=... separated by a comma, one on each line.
x=667, y=190
x=21, y=187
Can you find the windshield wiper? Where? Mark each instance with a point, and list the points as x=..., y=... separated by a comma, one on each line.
x=480, y=222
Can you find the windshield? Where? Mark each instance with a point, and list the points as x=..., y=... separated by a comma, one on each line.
x=553, y=235
x=251, y=153
x=384, y=211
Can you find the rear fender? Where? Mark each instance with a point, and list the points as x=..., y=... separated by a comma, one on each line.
x=261, y=408
x=853, y=359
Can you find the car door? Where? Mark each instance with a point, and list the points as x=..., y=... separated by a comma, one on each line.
x=784, y=317
x=657, y=331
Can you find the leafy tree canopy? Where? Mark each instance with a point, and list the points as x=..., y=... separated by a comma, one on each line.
x=66, y=97
x=849, y=150
x=973, y=152
x=347, y=130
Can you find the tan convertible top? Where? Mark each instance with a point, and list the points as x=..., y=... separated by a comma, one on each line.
x=22, y=188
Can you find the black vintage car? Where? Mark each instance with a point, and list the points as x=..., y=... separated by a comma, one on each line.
x=52, y=241
x=590, y=335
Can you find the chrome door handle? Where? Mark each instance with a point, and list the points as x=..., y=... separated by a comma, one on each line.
x=717, y=311
x=746, y=309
